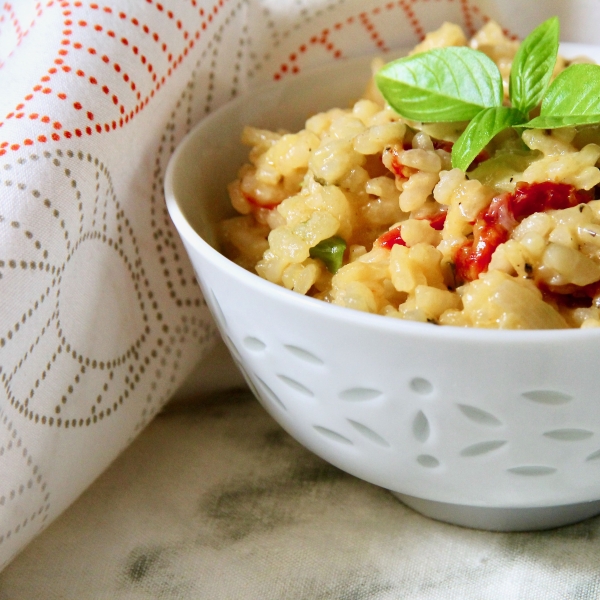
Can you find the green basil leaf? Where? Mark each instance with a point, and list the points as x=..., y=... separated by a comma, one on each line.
x=330, y=251
x=441, y=85
x=551, y=122
x=533, y=65
x=573, y=98
x=480, y=131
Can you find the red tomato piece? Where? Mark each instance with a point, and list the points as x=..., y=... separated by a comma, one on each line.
x=390, y=238
x=474, y=257
x=495, y=223
x=529, y=198
x=437, y=221
x=256, y=204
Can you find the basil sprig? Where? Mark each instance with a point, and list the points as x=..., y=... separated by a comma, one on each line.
x=480, y=131
x=572, y=99
x=460, y=83
x=442, y=85
x=532, y=66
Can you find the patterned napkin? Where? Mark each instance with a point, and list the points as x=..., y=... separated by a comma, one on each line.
x=100, y=316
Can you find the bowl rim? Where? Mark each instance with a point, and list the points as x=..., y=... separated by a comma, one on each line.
x=306, y=303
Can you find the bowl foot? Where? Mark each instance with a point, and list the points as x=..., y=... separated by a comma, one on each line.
x=503, y=519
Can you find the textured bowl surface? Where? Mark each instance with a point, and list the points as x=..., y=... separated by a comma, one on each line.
x=458, y=422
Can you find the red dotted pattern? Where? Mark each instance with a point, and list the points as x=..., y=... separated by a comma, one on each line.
x=9, y=23
x=475, y=10
x=82, y=121
x=79, y=20
x=368, y=21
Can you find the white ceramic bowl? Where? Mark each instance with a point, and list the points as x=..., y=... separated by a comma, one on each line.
x=489, y=429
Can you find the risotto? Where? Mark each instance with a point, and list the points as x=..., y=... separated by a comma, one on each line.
x=363, y=209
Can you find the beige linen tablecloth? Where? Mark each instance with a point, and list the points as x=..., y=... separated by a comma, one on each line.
x=217, y=502
x=100, y=318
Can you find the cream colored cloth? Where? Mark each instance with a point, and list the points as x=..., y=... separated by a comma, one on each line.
x=219, y=503
x=100, y=318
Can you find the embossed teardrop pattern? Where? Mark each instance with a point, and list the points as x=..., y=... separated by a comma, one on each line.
x=296, y=385
x=369, y=433
x=254, y=344
x=569, y=435
x=479, y=416
x=421, y=428
x=304, y=355
x=593, y=456
x=270, y=394
x=482, y=448
x=547, y=397
x=421, y=386
x=219, y=311
x=428, y=461
x=532, y=470
x=252, y=387
x=359, y=394
x=333, y=435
